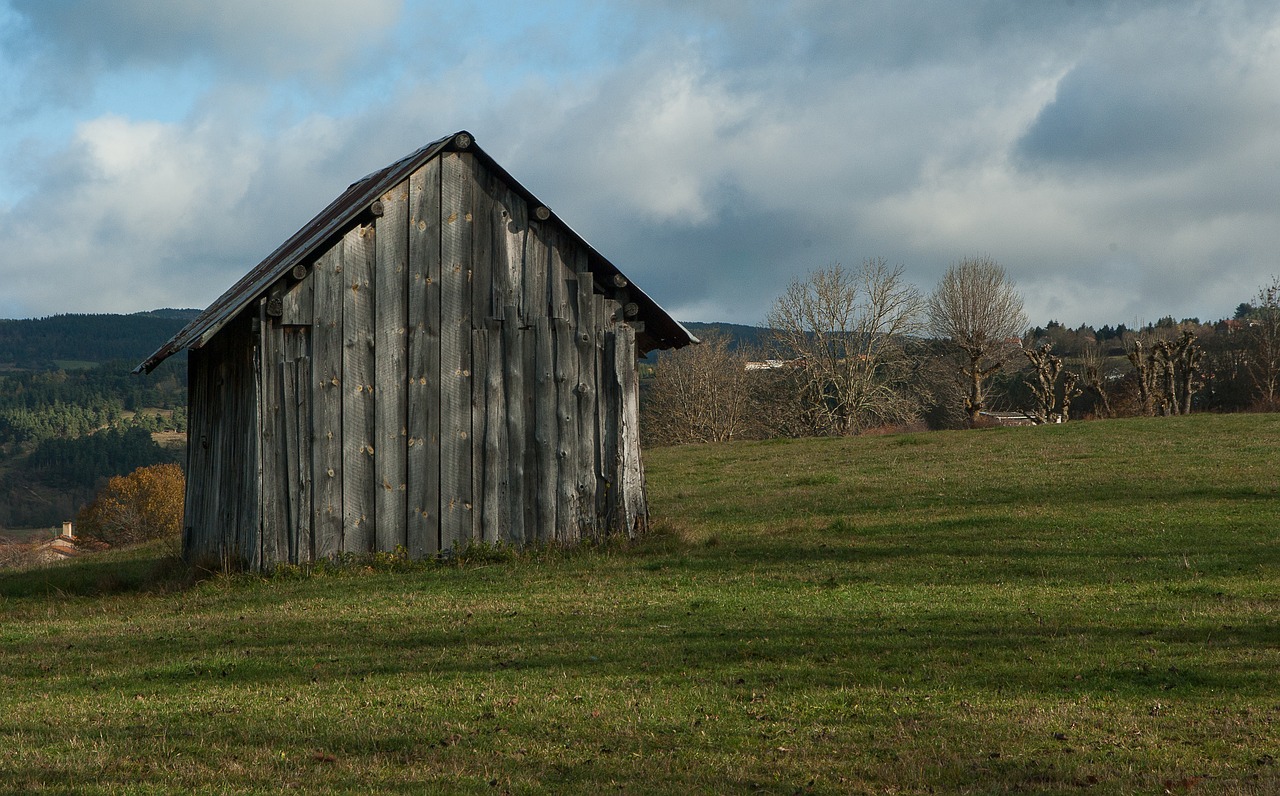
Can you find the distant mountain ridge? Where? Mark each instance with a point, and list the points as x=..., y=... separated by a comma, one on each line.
x=44, y=343
x=740, y=335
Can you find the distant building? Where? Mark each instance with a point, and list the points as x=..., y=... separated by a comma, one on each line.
x=60, y=548
x=1008, y=418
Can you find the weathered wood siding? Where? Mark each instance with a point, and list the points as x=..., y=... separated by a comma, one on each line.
x=446, y=371
x=222, y=501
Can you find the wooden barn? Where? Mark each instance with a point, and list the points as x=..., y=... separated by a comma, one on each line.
x=434, y=359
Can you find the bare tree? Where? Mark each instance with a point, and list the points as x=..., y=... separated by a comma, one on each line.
x=1093, y=360
x=846, y=329
x=700, y=393
x=978, y=309
x=1168, y=374
x=1051, y=404
x=1145, y=370
x=1264, y=344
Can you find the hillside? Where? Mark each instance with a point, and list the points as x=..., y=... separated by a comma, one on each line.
x=71, y=412
x=751, y=338
x=1087, y=608
x=52, y=342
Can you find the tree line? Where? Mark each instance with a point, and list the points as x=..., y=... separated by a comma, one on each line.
x=853, y=350
x=42, y=343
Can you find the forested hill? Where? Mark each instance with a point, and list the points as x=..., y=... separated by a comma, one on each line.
x=752, y=338
x=62, y=341
x=72, y=414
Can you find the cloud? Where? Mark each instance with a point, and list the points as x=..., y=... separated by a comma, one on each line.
x=1134, y=101
x=279, y=37
x=1119, y=158
x=66, y=52
x=137, y=214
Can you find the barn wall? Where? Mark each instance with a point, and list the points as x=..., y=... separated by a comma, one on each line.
x=222, y=522
x=446, y=372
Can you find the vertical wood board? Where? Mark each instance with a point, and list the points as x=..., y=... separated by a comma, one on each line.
x=568, y=527
x=588, y=484
x=534, y=296
x=358, y=487
x=545, y=426
x=479, y=401
x=274, y=482
x=516, y=390
x=423, y=399
x=496, y=506
x=457, y=215
x=326, y=431
x=391, y=433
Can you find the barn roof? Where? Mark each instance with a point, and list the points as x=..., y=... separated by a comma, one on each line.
x=660, y=329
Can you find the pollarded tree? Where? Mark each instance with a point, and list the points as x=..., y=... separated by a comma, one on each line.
x=1050, y=404
x=1264, y=344
x=977, y=307
x=844, y=330
x=1168, y=374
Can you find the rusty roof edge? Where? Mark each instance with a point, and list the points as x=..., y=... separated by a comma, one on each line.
x=341, y=212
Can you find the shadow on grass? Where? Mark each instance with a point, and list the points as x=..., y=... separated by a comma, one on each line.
x=945, y=554
x=938, y=650
x=150, y=569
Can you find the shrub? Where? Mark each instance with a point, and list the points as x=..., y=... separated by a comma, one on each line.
x=145, y=504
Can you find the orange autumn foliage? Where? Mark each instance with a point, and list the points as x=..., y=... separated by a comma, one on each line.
x=145, y=504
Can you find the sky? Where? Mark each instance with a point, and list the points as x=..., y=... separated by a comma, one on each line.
x=1121, y=160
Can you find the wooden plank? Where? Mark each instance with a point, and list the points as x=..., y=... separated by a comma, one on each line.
x=611, y=416
x=566, y=376
x=221, y=528
x=422, y=465
x=483, y=209
x=274, y=483
x=545, y=424
x=534, y=296
x=588, y=407
x=635, y=511
x=288, y=442
x=496, y=505
x=296, y=307
x=456, y=207
x=391, y=433
x=479, y=402
x=326, y=432
x=515, y=389
x=560, y=271
x=529, y=497
x=306, y=503
x=244, y=428
x=293, y=369
x=358, y=485
x=195, y=538
x=509, y=224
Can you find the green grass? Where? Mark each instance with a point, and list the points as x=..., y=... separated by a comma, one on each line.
x=1091, y=608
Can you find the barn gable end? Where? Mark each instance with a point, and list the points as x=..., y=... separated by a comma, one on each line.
x=434, y=360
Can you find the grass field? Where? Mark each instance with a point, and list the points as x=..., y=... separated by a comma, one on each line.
x=1089, y=608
